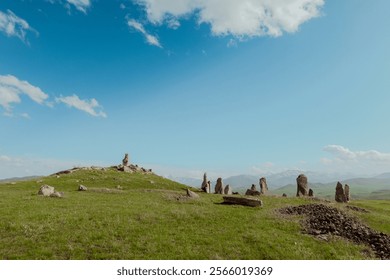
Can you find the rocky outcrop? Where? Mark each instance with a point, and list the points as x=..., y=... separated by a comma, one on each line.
x=263, y=185
x=302, y=188
x=219, y=186
x=251, y=192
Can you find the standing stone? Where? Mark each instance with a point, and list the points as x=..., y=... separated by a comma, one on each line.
x=208, y=188
x=311, y=193
x=125, y=160
x=46, y=190
x=302, y=188
x=204, y=183
x=340, y=194
x=346, y=192
x=253, y=188
x=227, y=190
x=263, y=185
x=219, y=186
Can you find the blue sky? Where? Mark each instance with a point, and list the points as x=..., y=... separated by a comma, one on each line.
x=184, y=87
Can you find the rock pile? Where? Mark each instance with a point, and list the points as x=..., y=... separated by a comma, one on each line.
x=323, y=219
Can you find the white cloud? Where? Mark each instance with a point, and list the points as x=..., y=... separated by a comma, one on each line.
x=88, y=106
x=81, y=5
x=12, y=25
x=152, y=40
x=244, y=18
x=358, y=162
x=25, y=115
x=122, y=6
x=11, y=88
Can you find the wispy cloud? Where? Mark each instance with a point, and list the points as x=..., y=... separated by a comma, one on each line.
x=81, y=5
x=244, y=18
x=88, y=106
x=345, y=159
x=11, y=88
x=12, y=25
x=152, y=40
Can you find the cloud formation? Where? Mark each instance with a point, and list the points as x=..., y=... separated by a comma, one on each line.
x=346, y=154
x=152, y=40
x=81, y=5
x=12, y=25
x=88, y=106
x=11, y=88
x=244, y=18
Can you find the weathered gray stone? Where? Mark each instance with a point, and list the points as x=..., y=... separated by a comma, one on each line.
x=253, y=193
x=204, y=185
x=346, y=192
x=56, y=194
x=191, y=194
x=227, y=190
x=242, y=201
x=253, y=187
x=302, y=188
x=46, y=190
x=219, y=186
x=263, y=185
x=340, y=194
x=82, y=188
x=125, y=160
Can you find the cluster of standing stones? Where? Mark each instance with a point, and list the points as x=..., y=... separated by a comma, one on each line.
x=341, y=195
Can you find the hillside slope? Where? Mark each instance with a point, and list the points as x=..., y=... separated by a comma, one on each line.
x=144, y=216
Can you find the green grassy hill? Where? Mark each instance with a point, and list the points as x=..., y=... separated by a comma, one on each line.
x=144, y=216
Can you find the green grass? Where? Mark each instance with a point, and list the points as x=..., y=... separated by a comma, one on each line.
x=149, y=219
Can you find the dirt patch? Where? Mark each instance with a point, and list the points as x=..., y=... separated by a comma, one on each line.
x=322, y=219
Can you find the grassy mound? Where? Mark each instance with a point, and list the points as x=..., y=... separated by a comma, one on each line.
x=144, y=216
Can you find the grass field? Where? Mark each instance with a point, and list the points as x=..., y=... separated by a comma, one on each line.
x=148, y=217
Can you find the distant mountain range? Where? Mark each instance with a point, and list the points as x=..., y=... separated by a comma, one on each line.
x=15, y=179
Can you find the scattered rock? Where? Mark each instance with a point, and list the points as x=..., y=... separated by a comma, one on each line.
x=227, y=190
x=219, y=186
x=323, y=219
x=358, y=209
x=119, y=187
x=46, y=190
x=191, y=194
x=56, y=194
x=263, y=185
x=82, y=188
x=302, y=188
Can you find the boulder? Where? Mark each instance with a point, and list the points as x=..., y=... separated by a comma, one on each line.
x=219, y=186
x=284, y=195
x=191, y=194
x=263, y=185
x=242, y=201
x=46, y=190
x=311, y=193
x=227, y=190
x=82, y=188
x=253, y=187
x=302, y=188
x=56, y=194
x=251, y=192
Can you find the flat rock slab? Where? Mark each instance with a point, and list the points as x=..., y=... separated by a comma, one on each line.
x=242, y=201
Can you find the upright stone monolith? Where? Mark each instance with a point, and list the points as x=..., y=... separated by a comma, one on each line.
x=125, y=160
x=311, y=193
x=302, y=188
x=219, y=186
x=340, y=194
x=204, y=183
x=263, y=185
x=227, y=190
x=346, y=192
